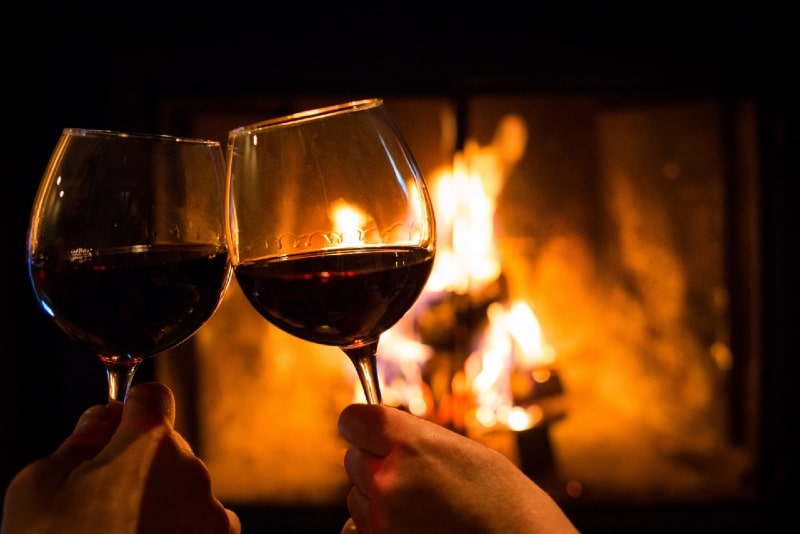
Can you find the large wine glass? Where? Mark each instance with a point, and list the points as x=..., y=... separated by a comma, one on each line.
x=331, y=226
x=127, y=247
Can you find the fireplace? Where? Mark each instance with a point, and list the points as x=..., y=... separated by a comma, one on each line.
x=593, y=313
x=643, y=228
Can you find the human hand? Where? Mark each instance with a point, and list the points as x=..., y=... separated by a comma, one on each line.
x=124, y=470
x=411, y=475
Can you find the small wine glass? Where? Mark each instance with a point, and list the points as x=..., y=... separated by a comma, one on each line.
x=127, y=247
x=331, y=226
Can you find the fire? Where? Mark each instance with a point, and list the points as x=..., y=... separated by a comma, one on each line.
x=466, y=257
x=619, y=256
x=467, y=262
x=523, y=326
x=513, y=346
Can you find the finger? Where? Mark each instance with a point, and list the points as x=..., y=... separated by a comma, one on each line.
x=374, y=428
x=361, y=467
x=358, y=506
x=149, y=410
x=93, y=431
x=148, y=404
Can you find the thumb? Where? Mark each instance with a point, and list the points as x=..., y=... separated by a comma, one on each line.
x=147, y=407
x=147, y=404
x=375, y=428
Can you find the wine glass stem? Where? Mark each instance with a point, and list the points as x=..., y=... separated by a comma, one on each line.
x=120, y=376
x=365, y=359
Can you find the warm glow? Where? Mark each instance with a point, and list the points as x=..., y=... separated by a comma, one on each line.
x=420, y=221
x=467, y=257
x=464, y=197
x=611, y=316
x=400, y=370
x=348, y=222
x=513, y=341
x=523, y=326
x=464, y=200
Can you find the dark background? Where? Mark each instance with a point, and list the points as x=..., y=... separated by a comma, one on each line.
x=110, y=67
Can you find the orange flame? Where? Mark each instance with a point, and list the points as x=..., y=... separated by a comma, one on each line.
x=467, y=260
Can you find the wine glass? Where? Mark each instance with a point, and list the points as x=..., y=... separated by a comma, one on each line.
x=331, y=226
x=127, y=247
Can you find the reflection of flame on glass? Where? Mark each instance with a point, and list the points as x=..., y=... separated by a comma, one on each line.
x=348, y=222
x=419, y=223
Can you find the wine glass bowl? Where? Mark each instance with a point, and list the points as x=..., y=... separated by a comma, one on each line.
x=332, y=233
x=127, y=248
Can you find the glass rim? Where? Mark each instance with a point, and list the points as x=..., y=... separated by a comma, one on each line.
x=308, y=114
x=95, y=132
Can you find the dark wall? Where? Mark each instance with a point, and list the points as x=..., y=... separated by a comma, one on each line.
x=81, y=66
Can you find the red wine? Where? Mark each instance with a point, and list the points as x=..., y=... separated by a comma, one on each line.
x=133, y=301
x=337, y=298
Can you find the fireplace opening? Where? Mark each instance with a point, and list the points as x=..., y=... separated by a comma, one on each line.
x=593, y=311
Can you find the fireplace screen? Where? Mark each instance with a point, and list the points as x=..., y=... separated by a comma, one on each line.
x=591, y=313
